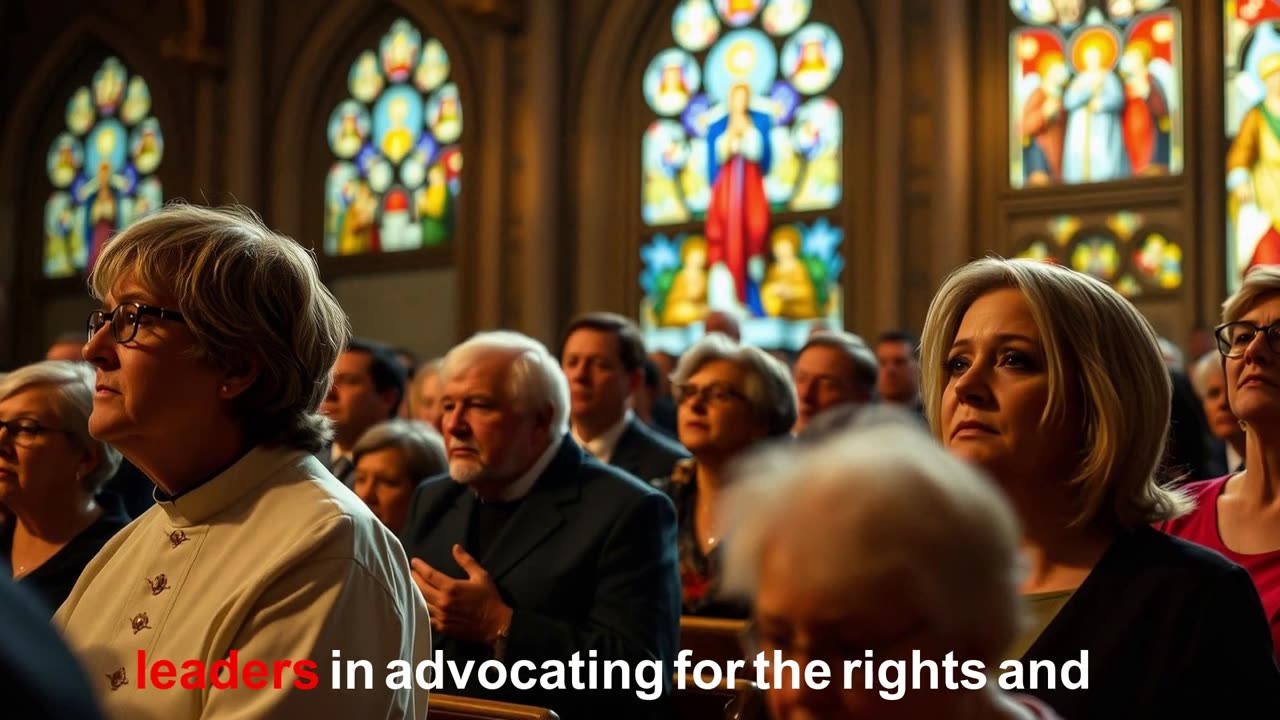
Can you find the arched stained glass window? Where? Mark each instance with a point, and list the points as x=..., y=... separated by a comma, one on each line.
x=1095, y=91
x=740, y=160
x=398, y=171
x=102, y=168
x=1252, y=122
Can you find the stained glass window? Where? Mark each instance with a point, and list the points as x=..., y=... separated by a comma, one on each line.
x=1125, y=249
x=398, y=171
x=742, y=155
x=1094, y=91
x=1252, y=102
x=102, y=167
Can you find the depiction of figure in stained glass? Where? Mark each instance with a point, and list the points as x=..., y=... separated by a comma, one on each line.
x=1253, y=158
x=788, y=290
x=398, y=175
x=686, y=300
x=694, y=25
x=1093, y=101
x=738, y=217
x=1094, y=96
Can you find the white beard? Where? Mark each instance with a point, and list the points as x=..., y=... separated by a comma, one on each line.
x=465, y=472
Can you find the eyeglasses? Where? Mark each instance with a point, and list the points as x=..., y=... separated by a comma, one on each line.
x=718, y=392
x=125, y=318
x=1234, y=337
x=24, y=432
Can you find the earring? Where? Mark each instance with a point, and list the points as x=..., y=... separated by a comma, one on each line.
x=1243, y=425
x=225, y=390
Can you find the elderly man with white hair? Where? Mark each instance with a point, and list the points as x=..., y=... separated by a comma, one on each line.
x=1210, y=383
x=870, y=545
x=532, y=550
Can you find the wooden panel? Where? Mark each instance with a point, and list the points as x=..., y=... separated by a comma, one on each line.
x=452, y=707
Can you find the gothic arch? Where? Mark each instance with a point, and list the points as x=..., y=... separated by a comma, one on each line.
x=24, y=142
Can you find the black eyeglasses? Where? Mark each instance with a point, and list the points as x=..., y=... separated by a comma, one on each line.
x=1234, y=337
x=717, y=392
x=125, y=318
x=25, y=431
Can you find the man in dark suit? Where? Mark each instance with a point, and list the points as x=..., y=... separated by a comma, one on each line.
x=531, y=550
x=603, y=358
x=368, y=385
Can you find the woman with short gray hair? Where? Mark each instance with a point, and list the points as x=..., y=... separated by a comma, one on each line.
x=214, y=345
x=51, y=472
x=391, y=458
x=729, y=398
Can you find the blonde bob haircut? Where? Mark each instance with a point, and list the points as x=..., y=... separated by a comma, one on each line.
x=250, y=296
x=1102, y=356
x=1258, y=283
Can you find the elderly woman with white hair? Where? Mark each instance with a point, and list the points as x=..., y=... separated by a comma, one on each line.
x=1236, y=515
x=729, y=397
x=1209, y=380
x=51, y=475
x=927, y=561
x=391, y=458
x=1054, y=384
x=213, y=350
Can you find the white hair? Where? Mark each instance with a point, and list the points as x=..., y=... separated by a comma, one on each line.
x=534, y=379
x=898, y=507
x=768, y=387
x=1210, y=362
x=70, y=386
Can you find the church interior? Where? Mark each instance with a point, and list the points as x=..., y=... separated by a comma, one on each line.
x=697, y=246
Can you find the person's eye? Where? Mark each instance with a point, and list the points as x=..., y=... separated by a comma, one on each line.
x=1017, y=360
x=957, y=365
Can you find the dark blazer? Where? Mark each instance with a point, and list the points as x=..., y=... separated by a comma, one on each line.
x=645, y=452
x=587, y=563
x=53, y=580
x=342, y=469
x=39, y=678
x=1172, y=630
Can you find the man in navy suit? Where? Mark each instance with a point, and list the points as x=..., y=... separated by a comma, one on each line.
x=368, y=385
x=530, y=550
x=603, y=358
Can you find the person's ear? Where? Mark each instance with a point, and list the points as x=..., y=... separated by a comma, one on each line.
x=238, y=379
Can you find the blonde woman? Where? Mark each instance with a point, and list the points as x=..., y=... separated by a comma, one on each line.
x=1238, y=515
x=1054, y=384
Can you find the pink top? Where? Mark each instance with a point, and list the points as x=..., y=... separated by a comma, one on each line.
x=1200, y=526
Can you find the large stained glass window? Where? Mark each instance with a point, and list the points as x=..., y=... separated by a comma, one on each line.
x=1094, y=91
x=398, y=171
x=1252, y=74
x=102, y=167
x=739, y=161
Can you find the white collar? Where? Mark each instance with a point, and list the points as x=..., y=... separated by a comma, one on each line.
x=523, y=484
x=602, y=446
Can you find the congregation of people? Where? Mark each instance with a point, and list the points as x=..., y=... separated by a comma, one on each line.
x=218, y=465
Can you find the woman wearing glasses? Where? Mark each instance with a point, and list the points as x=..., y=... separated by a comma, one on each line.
x=51, y=472
x=1054, y=384
x=213, y=351
x=729, y=397
x=1239, y=515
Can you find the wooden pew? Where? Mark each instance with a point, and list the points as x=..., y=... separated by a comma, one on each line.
x=454, y=707
x=717, y=640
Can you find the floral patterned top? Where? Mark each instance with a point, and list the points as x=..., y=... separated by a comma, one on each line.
x=698, y=572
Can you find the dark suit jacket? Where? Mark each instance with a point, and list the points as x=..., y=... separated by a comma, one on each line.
x=39, y=678
x=1172, y=630
x=645, y=452
x=587, y=563
x=346, y=473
